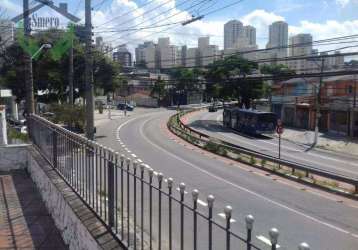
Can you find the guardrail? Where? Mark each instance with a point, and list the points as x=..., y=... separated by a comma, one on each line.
x=130, y=199
x=273, y=163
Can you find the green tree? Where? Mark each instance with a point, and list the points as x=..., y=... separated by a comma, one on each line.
x=231, y=73
x=159, y=89
x=51, y=74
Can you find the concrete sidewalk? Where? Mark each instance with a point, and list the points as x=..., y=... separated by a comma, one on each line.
x=24, y=220
x=329, y=142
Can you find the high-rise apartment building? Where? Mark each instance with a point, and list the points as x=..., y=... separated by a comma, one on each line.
x=232, y=30
x=250, y=34
x=301, y=45
x=123, y=56
x=7, y=33
x=278, y=37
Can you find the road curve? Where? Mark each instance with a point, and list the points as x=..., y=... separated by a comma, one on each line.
x=301, y=214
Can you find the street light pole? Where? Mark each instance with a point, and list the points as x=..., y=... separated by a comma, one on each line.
x=89, y=73
x=30, y=106
x=318, y=104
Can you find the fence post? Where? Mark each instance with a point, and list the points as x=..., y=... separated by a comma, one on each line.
x=170, y=188
x=182, y=192
x=303, y=246
x=228, y=211
x=210, y=201
x=195, y=194
x=54, y=148
x=249, y=225
x=111, y=189
x=273, y=238
x=160, y=180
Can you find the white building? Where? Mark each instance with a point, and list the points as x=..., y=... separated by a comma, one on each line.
x=192, y=55
x=203, y=42
x=278, y=37
x=301, y=45
x=169, y=57
x=140, y=51
x=150, y=56
x=7, y=33
x=250, y=34
x=209, y=54
x=232, y=30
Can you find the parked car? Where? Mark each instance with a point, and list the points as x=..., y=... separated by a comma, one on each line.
x=125, y=106
x=212, y=108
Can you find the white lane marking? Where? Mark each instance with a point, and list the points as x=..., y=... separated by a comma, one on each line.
x=222, y=215
x=266, y=241
x=202, y=203
x=243, y=188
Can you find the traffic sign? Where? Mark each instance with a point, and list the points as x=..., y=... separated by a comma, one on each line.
x=279, y=128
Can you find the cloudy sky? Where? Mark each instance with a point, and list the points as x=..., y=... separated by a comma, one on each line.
x=112, y=18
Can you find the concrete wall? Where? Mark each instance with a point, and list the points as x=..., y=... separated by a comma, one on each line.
x=13, y=157
x=79, y=228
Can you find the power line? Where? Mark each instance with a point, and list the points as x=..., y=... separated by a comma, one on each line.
x=99, y=5
x=146, y=12
x=204, y=15
x=160, y=14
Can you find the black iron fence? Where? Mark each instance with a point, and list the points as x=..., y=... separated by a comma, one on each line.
x=141, y=207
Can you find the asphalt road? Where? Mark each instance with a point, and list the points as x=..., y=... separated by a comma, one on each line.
x=323, y=220
x=211, y=124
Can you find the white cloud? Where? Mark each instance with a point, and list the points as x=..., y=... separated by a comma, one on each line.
x=10, y=7
x=342, y=3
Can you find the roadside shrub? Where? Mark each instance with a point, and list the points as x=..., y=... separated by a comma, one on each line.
x=263, y=162
x=71, y=116
x=252, y=160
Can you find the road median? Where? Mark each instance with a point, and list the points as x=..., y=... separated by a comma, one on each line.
x=310, y=175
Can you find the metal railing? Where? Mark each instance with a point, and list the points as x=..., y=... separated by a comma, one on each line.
x=308, y=170
x=129, y=197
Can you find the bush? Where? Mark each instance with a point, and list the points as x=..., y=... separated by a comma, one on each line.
x=252, y=160
x=16, y=135
x=71, y=116
x=263, y=162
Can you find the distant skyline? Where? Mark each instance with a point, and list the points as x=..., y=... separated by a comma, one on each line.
x=323, y=19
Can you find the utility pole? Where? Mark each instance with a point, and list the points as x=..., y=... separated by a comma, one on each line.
x=89, y=73
x=70, y=75
x=30, y=106
x=318, y=104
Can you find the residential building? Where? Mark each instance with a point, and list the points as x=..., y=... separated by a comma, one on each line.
x=203, y=42
x=232, y=30
x=209, y=54
x=7, y=33
x=184, y=50
x=278, y=37
x=192, y=56
x=250, y=34
x=294, y=101
x=140, y=51
x=301, y=45
x=206, y=53
x=150, y=56
x=123, y=56
x=169, y=56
